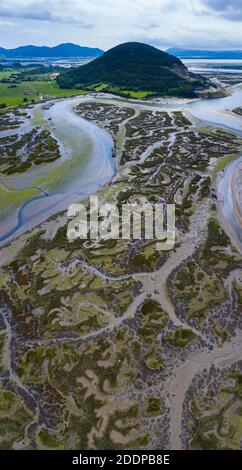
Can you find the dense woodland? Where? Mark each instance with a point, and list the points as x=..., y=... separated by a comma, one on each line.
x=134, y=66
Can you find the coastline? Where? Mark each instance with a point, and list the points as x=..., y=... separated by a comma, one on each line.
x=227, y=205
x=86, y=179
x=237, y=203
x=100, y=167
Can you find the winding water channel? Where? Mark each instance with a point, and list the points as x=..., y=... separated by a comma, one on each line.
x=86, y=162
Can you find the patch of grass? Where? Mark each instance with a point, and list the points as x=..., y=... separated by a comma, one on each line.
x=32, y=91
x=48, y=440
x=153, y=406
x=5, y=74
x=216, y=240
x=223, y=162
x=154, y=319
x=180, y=338
x=131, y=93
x=9, y=200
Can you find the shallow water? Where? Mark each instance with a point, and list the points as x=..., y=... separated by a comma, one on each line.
x=86, y=162
x=213, y=111
x=214, y=66
x=217, y=110
x=226, y=199
x=85, y=165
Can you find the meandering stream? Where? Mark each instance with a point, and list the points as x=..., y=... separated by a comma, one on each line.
x=86, y=162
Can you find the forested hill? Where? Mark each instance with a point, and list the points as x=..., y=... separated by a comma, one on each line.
x=134, y=66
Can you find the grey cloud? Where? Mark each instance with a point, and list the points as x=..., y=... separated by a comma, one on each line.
x=228, y=9
x=40, y=12
x=148, y=26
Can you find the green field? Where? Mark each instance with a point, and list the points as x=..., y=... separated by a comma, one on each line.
x=116, y=90
x=5, y=74
x=132, y=94
x=10, y=200
x=19, y=86
x=14, y=96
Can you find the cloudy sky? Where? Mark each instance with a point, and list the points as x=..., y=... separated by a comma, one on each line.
x=104, y=23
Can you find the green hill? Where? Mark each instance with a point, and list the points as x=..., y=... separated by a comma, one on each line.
x=135, y=67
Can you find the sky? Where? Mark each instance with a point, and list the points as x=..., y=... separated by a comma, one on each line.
x=205, y=24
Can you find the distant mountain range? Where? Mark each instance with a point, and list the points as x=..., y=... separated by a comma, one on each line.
x=204, y=54
x=67, y=50
x=137, y=67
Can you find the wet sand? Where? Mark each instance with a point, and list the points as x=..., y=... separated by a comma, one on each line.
x=86, y=165
x=229, y=200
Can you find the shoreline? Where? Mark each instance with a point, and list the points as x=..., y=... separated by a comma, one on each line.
x=226, y=188
x=236, y=182
x=96, y=172
x=98, y=136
